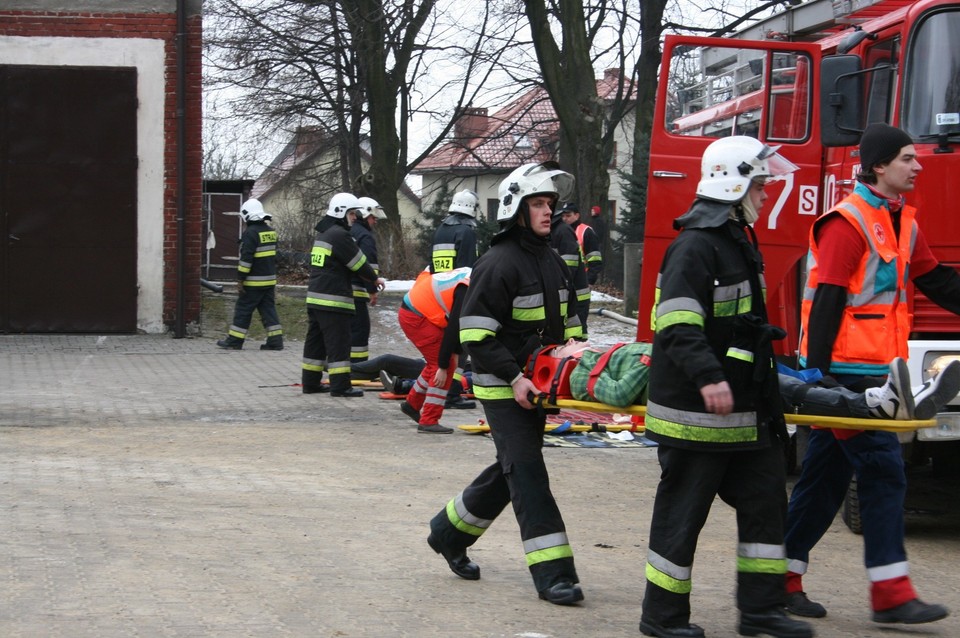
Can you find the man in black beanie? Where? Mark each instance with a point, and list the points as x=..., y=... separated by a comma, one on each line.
x=855, y=321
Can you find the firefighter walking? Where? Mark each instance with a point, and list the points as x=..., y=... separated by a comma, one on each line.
x=714, y=405
x=519, y=299
x=257, y=280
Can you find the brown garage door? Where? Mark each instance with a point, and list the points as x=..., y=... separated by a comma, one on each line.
x=68, y=199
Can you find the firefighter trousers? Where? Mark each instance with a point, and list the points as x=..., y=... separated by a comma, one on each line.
x=753, y=482
x=519, y=477
x=360, y=331
x=876, y=459
x=263, y=300
x=327, y=346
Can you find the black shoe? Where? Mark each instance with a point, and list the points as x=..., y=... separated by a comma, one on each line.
x=389, y=382
x=459, y=404
x=912, y=612
x=410, y=411
x=799, y=605
x=315, y=389
x=230, y=344
x=352, y=393
x=272, y=346
x=436, y=428
x=773, y=623
x=650, y=628
x=460, y=564
x=562, y=593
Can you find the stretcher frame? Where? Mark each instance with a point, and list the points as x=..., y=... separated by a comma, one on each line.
x=838, y=422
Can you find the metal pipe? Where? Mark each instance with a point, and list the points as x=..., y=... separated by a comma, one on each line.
x=180, y=321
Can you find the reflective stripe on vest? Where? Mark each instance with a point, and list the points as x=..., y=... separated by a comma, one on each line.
x=876, y=319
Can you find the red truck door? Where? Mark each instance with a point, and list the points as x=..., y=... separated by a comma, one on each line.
x=715, y=87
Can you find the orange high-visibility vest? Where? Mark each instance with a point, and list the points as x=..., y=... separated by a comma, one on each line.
x=432, y=295
x=876, y=321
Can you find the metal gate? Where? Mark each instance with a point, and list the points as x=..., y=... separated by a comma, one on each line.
x=68, y=199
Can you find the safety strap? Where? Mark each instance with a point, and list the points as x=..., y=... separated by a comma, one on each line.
x=598, y=368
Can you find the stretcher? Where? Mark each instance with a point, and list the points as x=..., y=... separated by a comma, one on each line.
x=843, y=423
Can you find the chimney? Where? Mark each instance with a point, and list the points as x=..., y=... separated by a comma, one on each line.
x=611, y=75
x=471, y=123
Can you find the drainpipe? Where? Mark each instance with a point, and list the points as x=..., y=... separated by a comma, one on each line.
x=180, y=323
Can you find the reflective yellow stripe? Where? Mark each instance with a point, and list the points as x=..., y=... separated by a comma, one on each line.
x=551, y=553
x=492, y=393
x=461, y=524
x=700, y=433
x=762, y=565
x=669, y=583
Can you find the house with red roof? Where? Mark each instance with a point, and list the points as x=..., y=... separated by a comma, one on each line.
x=486, y=146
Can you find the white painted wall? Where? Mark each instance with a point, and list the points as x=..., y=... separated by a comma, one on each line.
x=147, y=56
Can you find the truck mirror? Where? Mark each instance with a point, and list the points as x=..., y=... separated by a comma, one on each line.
x=841, y=100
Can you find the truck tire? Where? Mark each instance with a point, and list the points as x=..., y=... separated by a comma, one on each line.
x=851, y=509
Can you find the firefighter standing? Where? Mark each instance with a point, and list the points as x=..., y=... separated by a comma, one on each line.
x=455, y=246
x=563, y=239
x=257, y=280
x=518, y=300
x=714, y=406
x=364, y=292
x=334, y=260
x=430, y=317
x=589, y=245
x=855, y=319
x=455, y=240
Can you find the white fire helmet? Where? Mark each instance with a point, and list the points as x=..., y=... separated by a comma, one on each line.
x=252, y=211
x=731, y=163
x=465, y=202
x=370, y=207
x=341, y=203
x=544, y=178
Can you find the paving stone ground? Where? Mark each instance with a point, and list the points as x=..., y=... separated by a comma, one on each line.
x=153, y=486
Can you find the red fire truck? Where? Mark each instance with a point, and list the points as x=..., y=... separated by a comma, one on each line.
x=809, y=80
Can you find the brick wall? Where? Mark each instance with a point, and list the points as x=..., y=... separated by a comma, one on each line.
x=162, y=26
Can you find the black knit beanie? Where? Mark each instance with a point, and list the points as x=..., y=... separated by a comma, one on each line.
x=881, y=143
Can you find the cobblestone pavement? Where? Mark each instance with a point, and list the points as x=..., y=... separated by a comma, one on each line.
x=161, y=487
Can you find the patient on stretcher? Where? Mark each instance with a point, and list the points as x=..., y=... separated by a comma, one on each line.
x=618, y=376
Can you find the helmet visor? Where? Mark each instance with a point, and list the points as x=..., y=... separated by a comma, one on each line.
x=777, y=165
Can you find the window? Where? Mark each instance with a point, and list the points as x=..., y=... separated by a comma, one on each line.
x=492, y=206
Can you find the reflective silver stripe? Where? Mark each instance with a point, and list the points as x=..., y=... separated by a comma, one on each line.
x=761, y=550
x=437, y=247
x=466, y=516
x=732, y=292
x=322, y=244
x=702, y=419
x=528, y=301
x=688, y=304
x=488, y=380
x=355, y=263
x=262, y=278
x=314, y=362
x=564, y=295
x=886, y=572
x=796, y=566
x=740, y=353
x=672, y=570
x=478, y=322
x=545, y=542
x=245, y=264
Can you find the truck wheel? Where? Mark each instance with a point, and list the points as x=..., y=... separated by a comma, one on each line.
x=851, y=509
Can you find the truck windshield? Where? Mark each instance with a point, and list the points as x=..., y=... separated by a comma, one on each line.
x=932, y=78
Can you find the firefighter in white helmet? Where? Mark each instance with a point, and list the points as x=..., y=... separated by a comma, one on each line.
x=713, y=403
x=455, y=246
x=455, y=241
x=365, y=292
x=519, y=299
x=334, y=260
x=256, y=280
